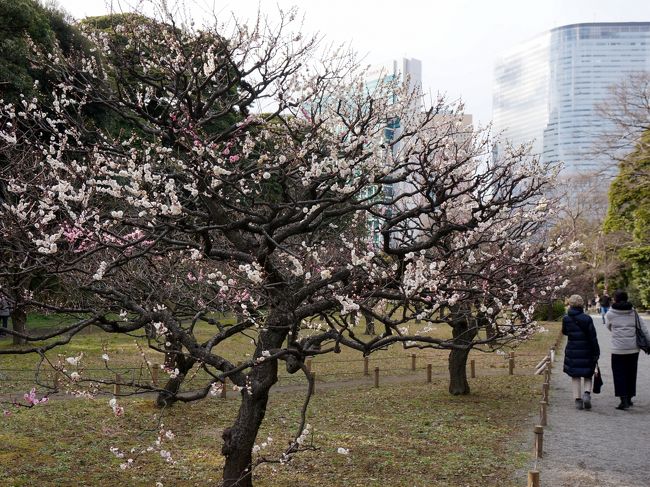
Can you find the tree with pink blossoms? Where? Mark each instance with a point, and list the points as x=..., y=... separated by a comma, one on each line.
x=243, y=179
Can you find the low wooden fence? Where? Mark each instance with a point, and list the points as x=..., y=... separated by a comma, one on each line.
x=545, y=368
x=121, y=377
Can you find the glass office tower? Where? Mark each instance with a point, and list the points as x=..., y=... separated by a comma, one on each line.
x=405, y=71
x=546, y=91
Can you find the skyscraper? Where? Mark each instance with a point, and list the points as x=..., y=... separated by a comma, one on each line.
x=546, y=90
x=405, y=71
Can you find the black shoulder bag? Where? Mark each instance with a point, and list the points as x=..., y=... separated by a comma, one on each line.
x=641, y=339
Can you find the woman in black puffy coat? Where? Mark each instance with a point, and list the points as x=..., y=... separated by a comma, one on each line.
x=582, y=350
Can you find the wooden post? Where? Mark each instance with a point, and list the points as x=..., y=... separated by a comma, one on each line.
x=472, y=369
x=552, y=354
x=545, y=392
x=154, y=374
x=413, y=361
x=308, y=365
x=313, y=379
x=116, y=386
x=376, y=376
x=543, y=419
x=547, y=374
x=511, y=364
x=539, y=441
x=533, y=478
x=224, y=388
x=428, y=372
x=366, y=361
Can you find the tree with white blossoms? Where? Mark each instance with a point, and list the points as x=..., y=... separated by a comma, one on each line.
x=204, y=204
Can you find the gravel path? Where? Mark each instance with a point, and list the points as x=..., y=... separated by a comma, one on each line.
x=603, y=447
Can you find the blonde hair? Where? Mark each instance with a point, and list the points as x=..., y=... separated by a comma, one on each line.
x=576, y=300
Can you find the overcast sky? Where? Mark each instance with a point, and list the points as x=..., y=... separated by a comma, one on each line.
x=457, y=41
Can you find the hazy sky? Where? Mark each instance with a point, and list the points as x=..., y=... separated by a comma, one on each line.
x=456, y=40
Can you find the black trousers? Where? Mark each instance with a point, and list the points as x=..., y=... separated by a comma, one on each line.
x=624, y=369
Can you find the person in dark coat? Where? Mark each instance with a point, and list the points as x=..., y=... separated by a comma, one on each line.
x=582, y=350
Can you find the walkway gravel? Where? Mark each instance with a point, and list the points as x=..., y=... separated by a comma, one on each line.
x=603, y=447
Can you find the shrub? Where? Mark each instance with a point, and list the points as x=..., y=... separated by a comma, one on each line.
x=549, y=311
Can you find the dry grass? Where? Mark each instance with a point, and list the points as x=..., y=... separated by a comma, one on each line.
x=403, y=433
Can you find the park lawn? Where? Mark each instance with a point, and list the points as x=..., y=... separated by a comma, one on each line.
x=402, y=433
x=407, y=434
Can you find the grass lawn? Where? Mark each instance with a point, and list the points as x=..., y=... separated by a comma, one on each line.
x=403, y=433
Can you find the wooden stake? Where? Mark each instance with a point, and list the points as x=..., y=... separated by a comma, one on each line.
x=413, y=362
x=308, y=365
x=545, y=397
x=472, y=369
x=154, y=373
x=376, y=376
x=428, y=372
x=539, y=441
x=224, y=388
x=533, y=478
x=366, y=361
x=116, y=386
x=511, y=364
x=543, y=419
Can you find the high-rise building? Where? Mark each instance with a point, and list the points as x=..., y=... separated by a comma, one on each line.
x=405, y=71
x=547, y=90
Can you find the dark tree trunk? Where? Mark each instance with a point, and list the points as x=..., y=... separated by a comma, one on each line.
x=184, y=365
x=464, y=330
x=239, y=439
x=370, y=325
x=19, y=324
x=549, y=311
x=458, y=372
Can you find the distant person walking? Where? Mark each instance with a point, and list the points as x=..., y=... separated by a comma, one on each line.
x=5, y=311
x=621, y=321
x=604, y=302
x=582, y=350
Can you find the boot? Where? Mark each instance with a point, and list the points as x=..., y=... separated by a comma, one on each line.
x=629, y=401
x=624, y=404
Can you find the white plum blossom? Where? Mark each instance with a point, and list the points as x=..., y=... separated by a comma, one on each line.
x=117, y=409
x=99, y=274
x=74, y=360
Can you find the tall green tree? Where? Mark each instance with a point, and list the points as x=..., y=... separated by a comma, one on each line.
x=629, y=212
x=23, y=22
